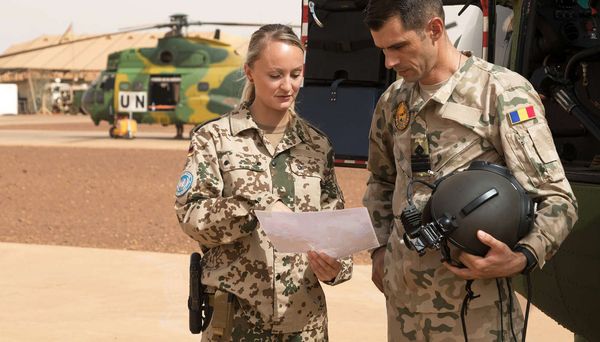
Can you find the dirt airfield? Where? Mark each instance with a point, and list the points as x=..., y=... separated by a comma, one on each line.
x=65, y=182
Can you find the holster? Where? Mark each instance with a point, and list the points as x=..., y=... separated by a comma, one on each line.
x=198, y=300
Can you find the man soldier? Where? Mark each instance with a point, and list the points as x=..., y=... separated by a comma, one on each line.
x=448, y=109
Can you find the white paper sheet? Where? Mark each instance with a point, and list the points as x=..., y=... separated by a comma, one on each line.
x=338, y=233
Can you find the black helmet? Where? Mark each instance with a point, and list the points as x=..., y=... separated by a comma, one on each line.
x=483, y=197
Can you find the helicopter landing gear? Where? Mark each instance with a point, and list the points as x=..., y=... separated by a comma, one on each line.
x=179, y=131
x=124, y=127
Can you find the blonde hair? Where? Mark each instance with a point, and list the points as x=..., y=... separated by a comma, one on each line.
x=258, y=41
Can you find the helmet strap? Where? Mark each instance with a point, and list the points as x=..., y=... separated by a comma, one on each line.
x=465, y=306
x=446, y=257
x=471, y=295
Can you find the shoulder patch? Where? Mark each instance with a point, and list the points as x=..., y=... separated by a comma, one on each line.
x=185, y=184
x=521, y=115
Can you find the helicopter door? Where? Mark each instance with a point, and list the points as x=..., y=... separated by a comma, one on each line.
x=163, y=92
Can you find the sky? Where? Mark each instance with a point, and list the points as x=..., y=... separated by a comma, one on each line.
x=24, y=20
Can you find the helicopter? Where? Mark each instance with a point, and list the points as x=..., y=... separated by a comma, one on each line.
x=183, y=80
x=555, y=44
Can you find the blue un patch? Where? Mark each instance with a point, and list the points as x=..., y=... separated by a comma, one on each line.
x=185, y=183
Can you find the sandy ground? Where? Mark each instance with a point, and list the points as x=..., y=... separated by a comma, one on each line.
x=117, y=197
x=64, y=182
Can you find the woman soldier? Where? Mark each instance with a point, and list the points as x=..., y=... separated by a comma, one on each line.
x=261, y=156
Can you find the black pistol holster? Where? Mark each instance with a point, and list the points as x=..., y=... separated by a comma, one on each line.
x=200, y=310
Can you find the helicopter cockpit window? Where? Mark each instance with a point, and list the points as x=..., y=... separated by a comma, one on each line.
x=166, y=57
x=563, y=64
x=124, y=86
x=108, y=82
x=163, y=92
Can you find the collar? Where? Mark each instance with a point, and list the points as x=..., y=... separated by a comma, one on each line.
x=241, y=120
x=416, y=102
x=443, y=94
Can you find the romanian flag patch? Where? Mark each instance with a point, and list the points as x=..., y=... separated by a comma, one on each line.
x=522, y=114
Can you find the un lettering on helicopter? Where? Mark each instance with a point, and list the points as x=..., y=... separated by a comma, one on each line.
x=132, y=101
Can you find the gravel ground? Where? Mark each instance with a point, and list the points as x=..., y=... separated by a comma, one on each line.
x=106, y=198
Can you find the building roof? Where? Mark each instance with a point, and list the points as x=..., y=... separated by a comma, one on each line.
x=87, y=52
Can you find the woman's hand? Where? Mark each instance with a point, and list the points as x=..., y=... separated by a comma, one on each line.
x=325, y=267
x=279, y=206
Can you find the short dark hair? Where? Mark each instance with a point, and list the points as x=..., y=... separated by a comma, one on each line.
x=414, y=14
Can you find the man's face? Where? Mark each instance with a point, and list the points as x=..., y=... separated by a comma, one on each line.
x=410, y=53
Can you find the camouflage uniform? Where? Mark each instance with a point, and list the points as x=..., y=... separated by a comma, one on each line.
x=465, y=120
x=232, y=171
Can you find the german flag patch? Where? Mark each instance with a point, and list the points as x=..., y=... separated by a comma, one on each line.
x=521, y=115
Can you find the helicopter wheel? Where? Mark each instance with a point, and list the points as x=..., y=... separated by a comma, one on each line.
x=111, y=132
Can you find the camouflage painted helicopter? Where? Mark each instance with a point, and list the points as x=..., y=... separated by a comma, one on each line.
x=553, y=43
x=183, y=80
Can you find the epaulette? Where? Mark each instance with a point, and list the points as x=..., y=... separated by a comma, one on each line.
x=200, y=125
x=318, y=130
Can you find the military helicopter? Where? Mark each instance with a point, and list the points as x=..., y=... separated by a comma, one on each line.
x=553, y=43
x=183, y=80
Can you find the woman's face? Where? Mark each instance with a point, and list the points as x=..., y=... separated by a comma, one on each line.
x=277, y=75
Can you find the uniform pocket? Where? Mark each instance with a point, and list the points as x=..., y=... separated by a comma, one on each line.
x=542, y=141
x=230, y=162
x=243, y=174
x=307, y=173
x=535, y=151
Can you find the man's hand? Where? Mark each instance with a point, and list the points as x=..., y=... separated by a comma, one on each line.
x=499, y=262
x=325, y=267
x=377, y=267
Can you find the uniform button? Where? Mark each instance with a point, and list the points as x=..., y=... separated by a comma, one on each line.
x=277, y=277
x=300, y=167
x=273, y=163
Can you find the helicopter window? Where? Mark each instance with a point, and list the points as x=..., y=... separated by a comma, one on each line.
x=203, y=86
x=124, y=86
x=108, y=82
x=166, y=57
x=164, y=92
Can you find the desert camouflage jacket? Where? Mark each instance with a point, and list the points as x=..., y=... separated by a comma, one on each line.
x=232, y=170
x=467, y=119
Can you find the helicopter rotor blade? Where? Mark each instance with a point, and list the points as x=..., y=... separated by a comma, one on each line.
x=215, y=23
x=172, y=24
x=143, y=27
x=84, y=39
x=218, y=23
x=66, y=43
